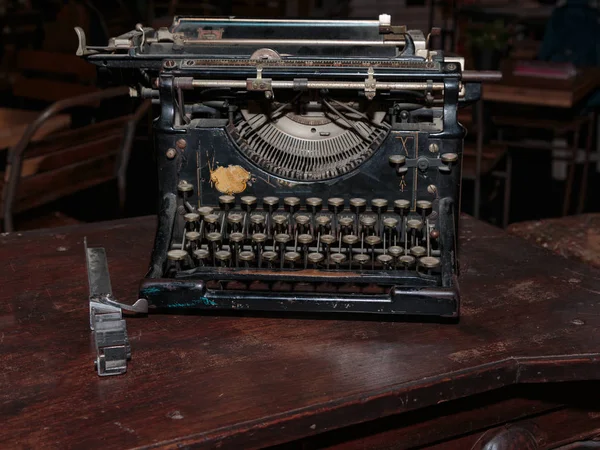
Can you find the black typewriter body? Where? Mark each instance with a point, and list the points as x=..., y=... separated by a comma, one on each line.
x=304, y=166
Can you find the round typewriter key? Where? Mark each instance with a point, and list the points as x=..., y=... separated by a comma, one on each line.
x=302, y=219
x=246, y=256
x=407, y=260
x=279, y=219
x=259, y=237
x=192, y=236
x=205, y=210
x=314, y=202
x=248, y=200
x=397, y=160
x=358, y=202
x=305, y=238
x=346, y=221
x=236, y=237
x=395, y=251
x=350, y=239
x=291, y=201
x=327, y=239
x=269, y=256
x=361, y=258
x=234, y=218
x=424, y=205
x=336, y=202
x=449, y=158
x=418, y=251
x=292, y=256
x=226, y=199
x=214, y=236
x=185, y=186
x=191, y=217
x=367, y=221
x=201, y=254
x=402, y=204
x=338, y=258
x=223, y=255
x=271, y=201
x=323, y=220
x=415, y=224
x=373, y=240
x=176, y=255
x=282, y=238
x=429, y=262
x=390, y=222
x=315, y=258
x=257, y=219
x=379, y=203
x=211, y=218
x=385, y=259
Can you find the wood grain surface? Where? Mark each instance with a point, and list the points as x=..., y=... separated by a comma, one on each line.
x=245, y=382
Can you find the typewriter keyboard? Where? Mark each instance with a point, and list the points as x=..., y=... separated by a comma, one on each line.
x=313, y=233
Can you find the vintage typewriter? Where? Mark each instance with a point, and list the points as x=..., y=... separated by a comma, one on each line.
x=303, y=165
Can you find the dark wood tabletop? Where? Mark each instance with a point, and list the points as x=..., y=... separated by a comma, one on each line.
x=528, y=316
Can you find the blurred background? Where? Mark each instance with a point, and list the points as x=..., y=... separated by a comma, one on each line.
x=531, y=151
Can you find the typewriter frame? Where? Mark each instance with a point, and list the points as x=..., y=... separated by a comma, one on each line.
x=406, y=295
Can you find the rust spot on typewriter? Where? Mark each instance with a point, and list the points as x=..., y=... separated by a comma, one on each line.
x=230, y=179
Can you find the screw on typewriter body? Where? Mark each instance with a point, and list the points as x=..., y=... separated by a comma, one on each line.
x=270, y=257
x=181, y=144
x=258, y=239
x=327, y=240
x=385, y=260
x=177, y=257
x=399, y=162
x=357, y=205
x=379, y=206
x=434, y=148
x=171, y=153
x=305, y=239
x=336, y=204
x=350, y=240
x=271, y=204
x=315, y=258
x=432, y=189
x=314, y=204
x=246, y=257
x=302, y=223
x=338, y=259
x=449, y=159
x=201, y=255
x=346, y=225
x=236, y=238
x=223, y=256
x=292, y=258
x=372, y=241
x=282, y=239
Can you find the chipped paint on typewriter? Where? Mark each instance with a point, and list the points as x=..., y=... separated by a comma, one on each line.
x=303, y=165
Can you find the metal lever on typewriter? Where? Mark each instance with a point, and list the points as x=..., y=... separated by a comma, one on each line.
x=106, y=316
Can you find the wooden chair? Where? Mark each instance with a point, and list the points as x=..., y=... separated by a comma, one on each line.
x=66, y=162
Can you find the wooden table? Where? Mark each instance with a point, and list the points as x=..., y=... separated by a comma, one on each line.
x=14, y=122
x=528, y=318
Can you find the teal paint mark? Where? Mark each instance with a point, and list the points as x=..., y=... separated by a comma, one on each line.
x=202, y=300
x=151, y=290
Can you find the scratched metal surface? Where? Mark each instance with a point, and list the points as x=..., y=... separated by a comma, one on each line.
x=243, y=382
